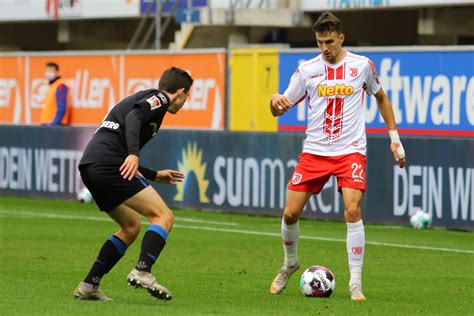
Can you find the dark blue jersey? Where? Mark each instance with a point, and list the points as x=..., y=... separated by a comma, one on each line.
x=127, y=128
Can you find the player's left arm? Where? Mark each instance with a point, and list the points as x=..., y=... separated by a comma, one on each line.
x=164, y=176
x=169, y=176
x=386, y=111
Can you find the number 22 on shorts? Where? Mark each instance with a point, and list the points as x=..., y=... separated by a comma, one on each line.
x=357, y=172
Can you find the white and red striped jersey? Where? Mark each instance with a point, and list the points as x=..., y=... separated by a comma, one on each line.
x=336, y=121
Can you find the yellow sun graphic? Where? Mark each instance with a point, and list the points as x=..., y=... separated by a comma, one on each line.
x=191, y=160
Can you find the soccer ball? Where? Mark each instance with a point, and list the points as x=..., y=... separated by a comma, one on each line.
x=317, y=281
x=421, y=220
x=84, y=196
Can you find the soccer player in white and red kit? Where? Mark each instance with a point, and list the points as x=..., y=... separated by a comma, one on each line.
x=335, y=83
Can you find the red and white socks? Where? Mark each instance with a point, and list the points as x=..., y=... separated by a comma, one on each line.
x=290, y=235
x=355, y=250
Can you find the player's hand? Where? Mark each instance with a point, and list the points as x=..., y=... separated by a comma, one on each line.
x=129, y=167
x=280, y=104
x=398, y=153
x=169, y=176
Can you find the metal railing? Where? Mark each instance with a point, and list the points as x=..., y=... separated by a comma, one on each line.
x=155, y=25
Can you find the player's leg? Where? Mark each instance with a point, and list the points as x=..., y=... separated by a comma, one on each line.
x=290, y=228
x=111, y=252
x=350, y=172
x=150, y=204
x=295, y=202
x=355, y=239
x=310, y=175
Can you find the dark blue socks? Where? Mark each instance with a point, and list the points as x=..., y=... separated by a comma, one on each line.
x=153, y=243
x=110, y=253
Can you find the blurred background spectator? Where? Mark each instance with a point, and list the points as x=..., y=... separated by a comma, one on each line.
x=56, y=105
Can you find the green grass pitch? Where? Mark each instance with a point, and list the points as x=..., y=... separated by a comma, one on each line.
x=223, y=264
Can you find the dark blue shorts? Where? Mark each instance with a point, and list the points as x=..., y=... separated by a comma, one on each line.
x=107, y=186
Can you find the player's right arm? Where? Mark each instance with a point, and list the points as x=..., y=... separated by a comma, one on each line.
x=142, y=110
x=295, y=93
x=129, y=167
x=279, y=104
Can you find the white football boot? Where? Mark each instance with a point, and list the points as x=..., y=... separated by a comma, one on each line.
x=281, y=280
x=86, y=291
x=356, y=292
x=147, y=281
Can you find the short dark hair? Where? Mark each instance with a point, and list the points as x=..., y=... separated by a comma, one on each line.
x=54, y=65
x=173, y=79
x=326, y=23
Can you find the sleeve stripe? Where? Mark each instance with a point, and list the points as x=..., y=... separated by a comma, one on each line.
x=300, y=99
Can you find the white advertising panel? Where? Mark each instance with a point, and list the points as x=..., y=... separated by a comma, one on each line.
x=31, y=10
x=321, y=5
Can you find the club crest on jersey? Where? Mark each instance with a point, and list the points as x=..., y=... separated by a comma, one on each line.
x=297, y=177
x=353, y=72
x=154, y=102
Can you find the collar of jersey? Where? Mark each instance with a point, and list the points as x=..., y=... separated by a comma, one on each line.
x=339, y=63
x=166, y=97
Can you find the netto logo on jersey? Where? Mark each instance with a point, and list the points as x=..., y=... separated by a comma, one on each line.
x=339, y=89
x=191, y=161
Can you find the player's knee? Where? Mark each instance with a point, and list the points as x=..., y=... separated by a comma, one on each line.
x=290, y=217
x=352, y=213
x=132, y=229
x=163, y=216
x=169, y=218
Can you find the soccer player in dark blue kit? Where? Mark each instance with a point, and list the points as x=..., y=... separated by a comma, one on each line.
x=111, y=171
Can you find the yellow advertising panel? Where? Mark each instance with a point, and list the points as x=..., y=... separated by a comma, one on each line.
x=253, y=81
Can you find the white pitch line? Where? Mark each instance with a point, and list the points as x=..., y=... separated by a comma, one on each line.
x=51, y=215
x=106, y=219
x=376, y=243
x=195, y=220
x=237, y=231
x=382, y=226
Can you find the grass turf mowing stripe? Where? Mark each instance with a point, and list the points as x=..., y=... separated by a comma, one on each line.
x=227, y=230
